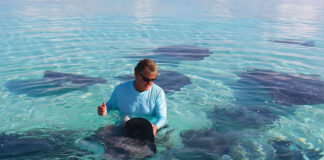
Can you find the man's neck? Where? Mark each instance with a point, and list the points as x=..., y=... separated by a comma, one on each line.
x=136, y=87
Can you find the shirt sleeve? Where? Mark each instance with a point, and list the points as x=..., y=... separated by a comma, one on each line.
x=160, y=110
x=112, y=102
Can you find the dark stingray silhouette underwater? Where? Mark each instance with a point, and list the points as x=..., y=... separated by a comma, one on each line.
x=39, y=144
x=287, y=89
x=203, y=144
x=211, y=144
x=287, y=150
x=15, y=145
x=297, y=42
x=174, y=54
x=169, y=81
x=240, y=118
x=52, y=83
x=184, y=52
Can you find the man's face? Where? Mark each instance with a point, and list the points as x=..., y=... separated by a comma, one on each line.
x=145, y=79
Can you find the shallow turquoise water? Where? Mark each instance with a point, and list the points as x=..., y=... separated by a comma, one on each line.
x=95, y=38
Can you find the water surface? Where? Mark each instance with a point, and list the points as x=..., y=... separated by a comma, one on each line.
x=101, y=38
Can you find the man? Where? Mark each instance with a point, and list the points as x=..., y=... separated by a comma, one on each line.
x=139, y=97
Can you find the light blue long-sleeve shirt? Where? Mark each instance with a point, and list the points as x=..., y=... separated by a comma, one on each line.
x=130, y=102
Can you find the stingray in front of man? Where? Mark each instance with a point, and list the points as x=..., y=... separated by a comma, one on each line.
x=287, y=89
x=134, y=140
x=169, y=81
x=118, y=146
x=52, y=83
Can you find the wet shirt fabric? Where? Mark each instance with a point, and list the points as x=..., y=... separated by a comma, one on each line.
x=130, y=102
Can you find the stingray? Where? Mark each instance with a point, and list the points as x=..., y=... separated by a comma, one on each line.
x=287, y=89
x=238, y=118
x=75, y=79
x=135, y=140
x=175, y=53
x=184, y=52
x=287, y=150
x=205, y=144
x=303, y=43
x=118, y=146
x=38, y=144
x=52, y=83
x=169, y=81
x=15, y=145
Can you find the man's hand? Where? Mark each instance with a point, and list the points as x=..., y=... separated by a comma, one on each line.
x=102, y=110
x=154, y=129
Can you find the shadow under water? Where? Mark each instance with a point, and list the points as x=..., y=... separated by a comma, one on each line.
x=174, y=54
x=52, y=83
x=258, y=93
x=169, y=81
x=240, y=118
x=184, y=52
x=210, y=144
x=287, y=89
x=39, y=144
x=203, y=144
x=297, y=42
x=287, y=150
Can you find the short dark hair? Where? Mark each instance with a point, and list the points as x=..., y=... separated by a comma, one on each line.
x=146, y=63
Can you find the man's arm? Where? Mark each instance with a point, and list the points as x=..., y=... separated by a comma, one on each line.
x=103, y=109
x=160, y=110
x=154, y=127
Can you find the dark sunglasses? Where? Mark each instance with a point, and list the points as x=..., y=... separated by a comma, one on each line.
x=146, y=79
